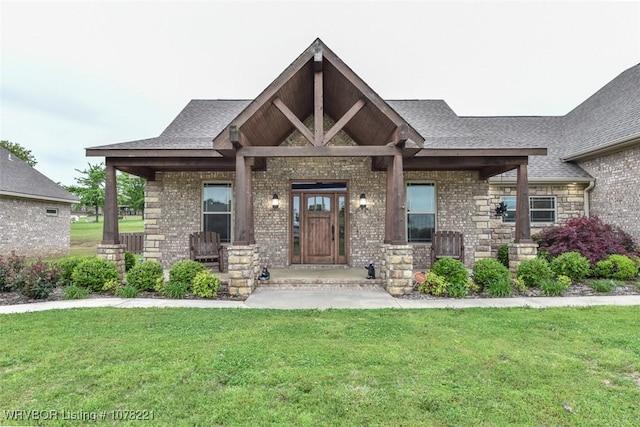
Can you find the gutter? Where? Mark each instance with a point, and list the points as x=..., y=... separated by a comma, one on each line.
x=587, y=204
x=612, y=147
x=36, y=197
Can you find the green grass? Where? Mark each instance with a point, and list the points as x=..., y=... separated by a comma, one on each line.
x=480, y=367
x=85, y=236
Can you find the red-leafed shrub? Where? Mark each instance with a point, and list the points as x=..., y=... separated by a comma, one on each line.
x=590, y=237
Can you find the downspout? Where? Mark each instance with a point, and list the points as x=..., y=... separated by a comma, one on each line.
x=587, y=191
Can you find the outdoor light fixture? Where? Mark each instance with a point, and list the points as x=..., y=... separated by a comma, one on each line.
x=363, y=201
x=275, y=202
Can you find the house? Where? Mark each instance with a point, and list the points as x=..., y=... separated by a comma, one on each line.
x=35, y=212
x=319, y=170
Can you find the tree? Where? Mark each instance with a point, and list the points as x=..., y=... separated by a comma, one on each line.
x=20, y=152
x=131, y=191
x=90, y=188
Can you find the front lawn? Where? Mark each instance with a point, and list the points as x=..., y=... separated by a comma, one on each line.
x=86, y=236
x=337, y=367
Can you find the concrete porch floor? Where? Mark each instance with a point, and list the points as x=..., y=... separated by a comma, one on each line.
x=306, y=274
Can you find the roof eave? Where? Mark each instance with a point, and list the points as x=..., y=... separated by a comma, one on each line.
x=38, y=197
x=609, y=148
x=499, y=181
x=155, y=152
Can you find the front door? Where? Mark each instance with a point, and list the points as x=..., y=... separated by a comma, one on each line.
x=318, y=224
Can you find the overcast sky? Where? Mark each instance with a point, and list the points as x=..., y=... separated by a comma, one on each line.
x=80, y=74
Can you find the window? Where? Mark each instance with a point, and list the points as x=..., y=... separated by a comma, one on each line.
x=421, y=212
x=541, y=208
x=52, y=211
x=216, y=209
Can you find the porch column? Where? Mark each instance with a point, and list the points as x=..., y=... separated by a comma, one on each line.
x=523, y=227
x=110, y=234
x=241, y=234
x=395, y=217
x=249, y=187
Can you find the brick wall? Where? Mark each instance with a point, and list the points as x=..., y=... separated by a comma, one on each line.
x=26, y=228
x=615, y=199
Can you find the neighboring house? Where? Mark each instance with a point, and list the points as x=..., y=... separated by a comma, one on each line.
x=35, y=212
x=318, y=140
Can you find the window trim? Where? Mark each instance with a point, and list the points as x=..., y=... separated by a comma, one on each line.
x=231, y=208
x=531, y=198
x=435, y=208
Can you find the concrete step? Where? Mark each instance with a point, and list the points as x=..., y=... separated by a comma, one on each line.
x=320, y=283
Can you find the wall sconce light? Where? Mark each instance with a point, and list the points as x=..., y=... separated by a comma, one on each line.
x=363, y=201
x=275, y=202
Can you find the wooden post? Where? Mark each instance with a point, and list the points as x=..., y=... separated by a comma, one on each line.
x=318, y=109
x=249, y=194
x=110, y=234
x=241, y=229
x=523, y=227
x=395, y=216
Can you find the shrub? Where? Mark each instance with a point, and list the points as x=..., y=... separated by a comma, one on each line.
x=604, y=285
x=129, y=260
x=205, y=284
x=93, y=273
x=455, y=273
x=571, y=264
x=112, y=286
x=433, y=284
x=618, y=267
x=176, y=290
x=587, y=236
x=185, y=271
x=534, y=271
x=488, y=272
x=518, y=284
x=39, y=279
x=66, y=266
x=145, y=275
x=127, y=291
x=553, y=288
x=11, y=271
x=74, y=292
x=503, y=255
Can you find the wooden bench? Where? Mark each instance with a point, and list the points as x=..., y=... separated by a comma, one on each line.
x=204, y=246
x=447, y=244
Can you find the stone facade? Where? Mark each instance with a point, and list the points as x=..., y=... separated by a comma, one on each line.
x=115, y=254
x=27, y=228
x=397, y=268
x=616, y=196
x=244, y=267
x=570, y=203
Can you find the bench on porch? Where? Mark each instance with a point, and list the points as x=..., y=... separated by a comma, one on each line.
x=447, y=244
x=204, y=246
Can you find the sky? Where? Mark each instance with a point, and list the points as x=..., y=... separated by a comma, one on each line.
x=79, y=74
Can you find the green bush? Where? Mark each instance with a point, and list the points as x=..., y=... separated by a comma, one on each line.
x=11, y=271
x=433, y=284
x=455, y=273
x=604, y=285
x=518, y=284
x=571, y=264
x=129, y=260
x=534, y=271
x=553, y=288
x=490, y=272
x=39, y=279
x=144, y=276
x=185, y=271
x=74, y=292
x=619, y=267
x=503, y=255
x=93, y=273
x=112, y=286
x=205, y=284
x=127, y=291
x=66, y=266
x=176, y=290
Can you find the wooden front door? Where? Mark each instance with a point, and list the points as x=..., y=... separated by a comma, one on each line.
x=319, y=228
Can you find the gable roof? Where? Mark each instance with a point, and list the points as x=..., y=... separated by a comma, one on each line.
x=18, y=179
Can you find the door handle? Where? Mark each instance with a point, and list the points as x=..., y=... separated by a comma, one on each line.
x=333, y=233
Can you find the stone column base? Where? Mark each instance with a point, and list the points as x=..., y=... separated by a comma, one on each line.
x=244, y=267
x=113, y=253
x=519, y=252
x=397, y=268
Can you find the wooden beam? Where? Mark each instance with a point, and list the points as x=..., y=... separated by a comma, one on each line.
x=461, y=163
x=317, y=58
x=153, y=152
x=322, y=151
x=110, y=234
x=480, y=152
x=249, y=162
x=241, y=229
x=400, y=135
x=489, y=171
x=337, y=127
x=143, y=172
x=295, y=121
x=395, y=217
x=178, y=162
x=318, y=107
x=523, y=226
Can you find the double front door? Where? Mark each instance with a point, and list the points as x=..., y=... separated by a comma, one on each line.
x=319, y=227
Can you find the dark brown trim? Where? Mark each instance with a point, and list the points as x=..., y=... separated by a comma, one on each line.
x=322, y=151
x=480, y=152
x=295, y=121
x=155, y=152
x=523, y=226
x=337, y=127
x=110, y=234
x=318, y=106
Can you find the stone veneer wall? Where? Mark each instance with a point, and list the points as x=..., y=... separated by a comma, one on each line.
x=26, y=228
x=569, y=204
x=615, y=199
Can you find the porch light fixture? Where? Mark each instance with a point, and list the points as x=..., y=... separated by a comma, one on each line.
x=275, y=202
x=363, y=201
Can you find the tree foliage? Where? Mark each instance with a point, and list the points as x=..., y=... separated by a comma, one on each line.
x=20, y=152
x=131, y=191
x=90, y=186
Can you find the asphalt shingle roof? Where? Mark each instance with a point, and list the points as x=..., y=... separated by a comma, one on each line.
x=17, y=178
